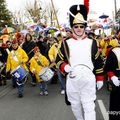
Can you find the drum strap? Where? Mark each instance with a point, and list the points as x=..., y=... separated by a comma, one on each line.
x=39, y=62
x=14, y=56
x=8, y=51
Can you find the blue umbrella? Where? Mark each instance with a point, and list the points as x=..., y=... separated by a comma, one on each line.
x=103, y=16
x=106, y=27
x=38, y=28
x=51, y=28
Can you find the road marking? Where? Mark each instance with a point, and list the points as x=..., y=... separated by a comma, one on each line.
x=103, y=110
x=5, y=91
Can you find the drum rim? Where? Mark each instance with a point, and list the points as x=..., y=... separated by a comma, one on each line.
x=23, y=77
x=15, y=69
x=44, y=71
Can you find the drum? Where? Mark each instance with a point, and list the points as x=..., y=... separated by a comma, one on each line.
x=46, y=74
x=19, y=73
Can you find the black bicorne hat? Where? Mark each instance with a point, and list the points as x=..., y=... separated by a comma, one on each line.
x=78, y=14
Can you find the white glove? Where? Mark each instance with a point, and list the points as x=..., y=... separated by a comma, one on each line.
x=115, y=80
x=67, y=68
x=99, y=84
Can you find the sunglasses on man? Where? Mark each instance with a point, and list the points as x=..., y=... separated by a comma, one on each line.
x=8, y=44
x=78, y=26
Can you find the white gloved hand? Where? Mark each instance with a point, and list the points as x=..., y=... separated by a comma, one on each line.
x=115, y=80
x=99, y=84
x=67, y=68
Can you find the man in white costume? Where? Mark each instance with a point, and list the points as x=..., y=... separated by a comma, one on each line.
x=80, y=60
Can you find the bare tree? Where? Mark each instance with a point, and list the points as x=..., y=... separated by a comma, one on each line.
x=35, y=10
x=18, y=19
x=41, y=12
x=50, y=13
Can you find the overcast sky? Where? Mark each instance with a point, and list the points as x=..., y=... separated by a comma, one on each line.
x=99, y=6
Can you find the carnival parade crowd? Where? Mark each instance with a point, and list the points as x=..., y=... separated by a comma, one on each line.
x=81, y=61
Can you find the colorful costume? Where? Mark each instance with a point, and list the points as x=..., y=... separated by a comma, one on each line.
x=35, y=67
x=80, y=58
x=112, y=68
x=13, y=63
x=37, y=63
x=17, y=58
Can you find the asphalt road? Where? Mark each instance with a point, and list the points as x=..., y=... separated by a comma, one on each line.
x=35, y=107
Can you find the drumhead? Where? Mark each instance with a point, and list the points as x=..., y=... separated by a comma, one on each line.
x=19, y=73
x=43, y=71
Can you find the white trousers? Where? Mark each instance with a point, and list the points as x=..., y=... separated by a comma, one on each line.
x=81, y=92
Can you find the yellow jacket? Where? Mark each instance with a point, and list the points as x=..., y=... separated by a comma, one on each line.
x=52, y=53
x=114, y=42
x=35, y=68
x=104, y=45
x=16, y=58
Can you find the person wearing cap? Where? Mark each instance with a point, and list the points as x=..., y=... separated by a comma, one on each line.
x=52, y=53
x=17, y=57
x=37, y=63
x=79, y=59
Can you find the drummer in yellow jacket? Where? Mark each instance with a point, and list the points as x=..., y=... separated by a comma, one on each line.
x=17, y=58
x=52, y=53
x=108, y=41
x=37, y=63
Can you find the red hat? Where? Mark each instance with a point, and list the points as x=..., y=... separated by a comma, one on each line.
x=4, y=45
x=14, y=41
x=18, y=35
x=36, y=49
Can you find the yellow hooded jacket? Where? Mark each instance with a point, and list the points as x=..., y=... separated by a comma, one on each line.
x=114, y=43
x=52, y=53
x=104, y=45
x=35, y=68
x=16, y=58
